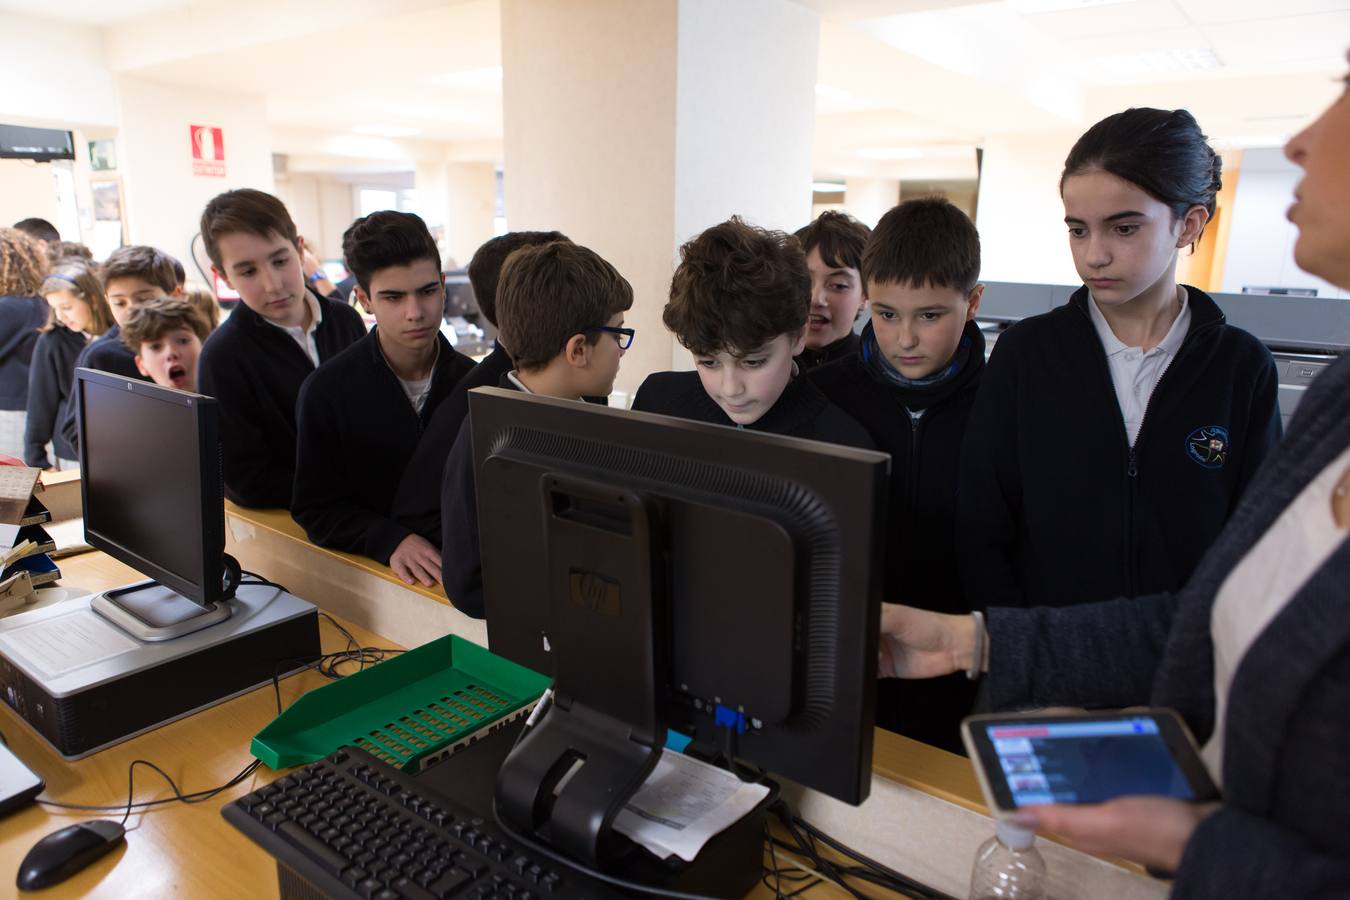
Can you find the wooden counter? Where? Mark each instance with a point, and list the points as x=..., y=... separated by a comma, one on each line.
x=270, y=542
x=924, y=818
x=176, y=850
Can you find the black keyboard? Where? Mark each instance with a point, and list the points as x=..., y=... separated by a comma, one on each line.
x=353, y=826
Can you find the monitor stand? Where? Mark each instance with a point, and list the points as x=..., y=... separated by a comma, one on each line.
x=572, y=773
x=148, y=611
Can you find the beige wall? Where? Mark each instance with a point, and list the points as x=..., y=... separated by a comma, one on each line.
x=322, y=208
x=26, y=189
x=53, y=73
x=164, y=198
x=868, y=199
x=471, y=190
x=1020, y=216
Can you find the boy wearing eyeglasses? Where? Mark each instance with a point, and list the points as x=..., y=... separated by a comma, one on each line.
x=361, y=414
x=560, y=309
x=739, y=302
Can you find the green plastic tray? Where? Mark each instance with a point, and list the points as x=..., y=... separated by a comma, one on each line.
x=409, y=710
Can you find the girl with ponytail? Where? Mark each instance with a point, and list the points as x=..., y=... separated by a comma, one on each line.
x=1113, y=436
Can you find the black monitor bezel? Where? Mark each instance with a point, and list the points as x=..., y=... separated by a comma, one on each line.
x=209, y=489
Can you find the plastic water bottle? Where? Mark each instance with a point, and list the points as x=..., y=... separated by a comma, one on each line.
x=1008, y=866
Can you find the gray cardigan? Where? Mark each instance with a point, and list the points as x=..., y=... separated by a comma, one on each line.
x=1284, y=827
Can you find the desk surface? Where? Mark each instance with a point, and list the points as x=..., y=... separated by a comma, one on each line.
x=175, y=850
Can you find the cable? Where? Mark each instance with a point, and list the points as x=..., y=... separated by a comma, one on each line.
x=879, y=869
x=247, y=577
x=325, y=664
x=581, y=867
x=196, y=261
x=805, y=835
x=178, y=795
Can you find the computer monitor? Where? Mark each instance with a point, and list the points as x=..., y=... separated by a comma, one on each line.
x=459, y=299
x=673, y=574
x=153, y=499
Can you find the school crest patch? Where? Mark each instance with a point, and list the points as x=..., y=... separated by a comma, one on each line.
x=1207, y=446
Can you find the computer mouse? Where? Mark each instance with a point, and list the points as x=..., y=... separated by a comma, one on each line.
x=62, y=853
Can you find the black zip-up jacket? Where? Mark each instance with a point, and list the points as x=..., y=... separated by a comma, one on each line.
x=811, y=359
x=1057, y=509
x=800, y=411
x=920, y=566
x=20, y=319
x=461, y=552
x=254, y=370
x=356, y=430
x=417, y=502
x=106, y=353
x=49, y=381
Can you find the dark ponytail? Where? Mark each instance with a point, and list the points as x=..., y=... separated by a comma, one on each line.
x=1162, y=152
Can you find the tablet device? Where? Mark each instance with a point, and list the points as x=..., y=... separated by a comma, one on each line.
x=1029, y=759
x=18, y=783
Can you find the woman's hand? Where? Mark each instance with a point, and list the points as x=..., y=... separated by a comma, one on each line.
x=919, y=644
x=1153, y=831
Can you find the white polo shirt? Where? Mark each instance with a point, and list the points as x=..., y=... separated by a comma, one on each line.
x=1135, y=372
x=305, y=336
x=1263, y=582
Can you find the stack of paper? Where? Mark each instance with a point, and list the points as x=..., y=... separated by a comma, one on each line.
x=24, y=544
x=683, y=803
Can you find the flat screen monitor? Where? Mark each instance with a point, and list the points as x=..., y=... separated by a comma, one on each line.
x=459, y=299
x=151, y=481
x=40, y=144
x=731, y=575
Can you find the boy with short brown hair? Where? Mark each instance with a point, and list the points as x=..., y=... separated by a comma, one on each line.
x=276, y=336
x=361, y=416
x=131, y=276
x=912, y=385
x=560, y=308
x=166, y=335
x=739, y=302
x=833, y=245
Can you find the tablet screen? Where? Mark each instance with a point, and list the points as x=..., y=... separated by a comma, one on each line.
x=1085, y=760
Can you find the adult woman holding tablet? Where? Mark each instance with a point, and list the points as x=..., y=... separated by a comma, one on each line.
x=1254, y=651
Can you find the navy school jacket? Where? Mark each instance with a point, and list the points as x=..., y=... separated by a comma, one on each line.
x=801, y=410
x=254, y=370
x=1283, y=829
x=1057, y=509
x=20, y=319
x=356, y=431
x=417, y=499
x=49, y=383
x=920, y=564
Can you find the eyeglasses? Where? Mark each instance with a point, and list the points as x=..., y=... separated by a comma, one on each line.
x=624, y=336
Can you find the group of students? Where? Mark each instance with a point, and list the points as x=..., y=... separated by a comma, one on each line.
x=59, y=310
x=1098, y=454
x=1234, y=608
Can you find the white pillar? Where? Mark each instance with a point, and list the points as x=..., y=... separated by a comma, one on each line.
x=1020, y=215
x=472, y=195
x=632, y=126
x=868, y=199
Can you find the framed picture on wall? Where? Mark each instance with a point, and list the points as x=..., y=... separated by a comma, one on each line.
x=110, y=224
